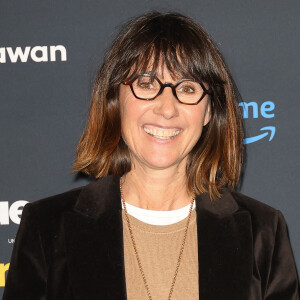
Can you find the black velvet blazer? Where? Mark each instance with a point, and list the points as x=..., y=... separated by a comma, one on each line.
x=70, y=246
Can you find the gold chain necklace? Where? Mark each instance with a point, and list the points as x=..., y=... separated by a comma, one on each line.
x=136, y=251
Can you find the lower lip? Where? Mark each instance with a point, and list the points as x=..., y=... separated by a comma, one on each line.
x=162, y=141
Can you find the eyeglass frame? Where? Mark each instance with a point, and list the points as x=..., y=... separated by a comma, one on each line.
x=167, y=84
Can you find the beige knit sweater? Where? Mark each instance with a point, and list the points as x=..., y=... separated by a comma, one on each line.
x=159, y=247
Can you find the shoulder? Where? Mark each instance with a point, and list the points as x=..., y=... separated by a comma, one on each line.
x=252, y=205
x=52, y=207
x=92, y=197
x=263, y=216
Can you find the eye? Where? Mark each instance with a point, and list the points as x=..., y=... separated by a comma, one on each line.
x=145, y=85
x=186, y=89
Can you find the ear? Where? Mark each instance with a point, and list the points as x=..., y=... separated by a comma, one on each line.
x=207, y=115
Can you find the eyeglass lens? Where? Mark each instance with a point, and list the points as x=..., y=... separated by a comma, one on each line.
x=147, y=87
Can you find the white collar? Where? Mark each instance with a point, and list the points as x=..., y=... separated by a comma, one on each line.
x=158, y=217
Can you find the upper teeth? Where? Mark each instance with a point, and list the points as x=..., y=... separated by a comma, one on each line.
x=162, y=133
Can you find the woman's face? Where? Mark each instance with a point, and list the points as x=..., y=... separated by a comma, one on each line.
x=161, y=133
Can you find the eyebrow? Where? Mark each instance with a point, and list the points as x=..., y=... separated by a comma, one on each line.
x=160, y=76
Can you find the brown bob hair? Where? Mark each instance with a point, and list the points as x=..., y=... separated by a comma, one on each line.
x=182, y=46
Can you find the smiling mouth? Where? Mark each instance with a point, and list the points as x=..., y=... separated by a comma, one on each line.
x=163, y=134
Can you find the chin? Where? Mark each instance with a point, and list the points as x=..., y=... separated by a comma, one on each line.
x=161, y=162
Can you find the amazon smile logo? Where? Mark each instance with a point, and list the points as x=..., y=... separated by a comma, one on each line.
x=252, y=110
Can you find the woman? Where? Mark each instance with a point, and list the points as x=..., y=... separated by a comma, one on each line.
x=162, y=221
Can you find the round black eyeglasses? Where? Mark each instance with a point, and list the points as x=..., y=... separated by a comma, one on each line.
x=148, y=87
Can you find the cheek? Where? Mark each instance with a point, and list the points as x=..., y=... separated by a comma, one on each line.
x=197, y=118
x=132, y=112
x=125, y=109
x=129, y=116
x=131, y=109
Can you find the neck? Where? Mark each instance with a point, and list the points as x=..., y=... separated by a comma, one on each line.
x=156, y=189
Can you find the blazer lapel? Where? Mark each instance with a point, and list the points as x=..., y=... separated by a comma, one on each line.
x=94, y=245
x=94, y=241
x=225, y=254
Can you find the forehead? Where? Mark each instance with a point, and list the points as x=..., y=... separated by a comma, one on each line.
x=160, y=69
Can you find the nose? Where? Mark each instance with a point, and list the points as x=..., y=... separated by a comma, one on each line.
x=166, y=104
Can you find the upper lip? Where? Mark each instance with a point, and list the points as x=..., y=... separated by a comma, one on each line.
x=162, y=126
